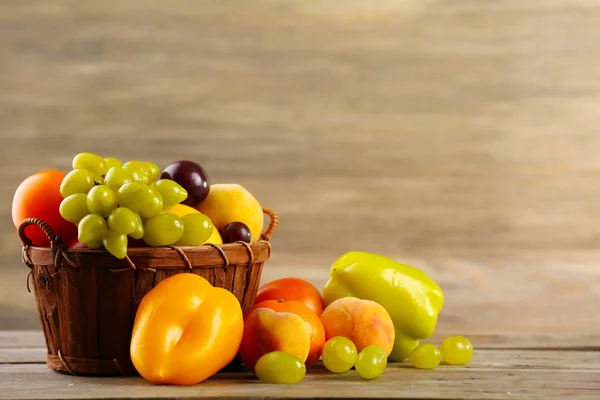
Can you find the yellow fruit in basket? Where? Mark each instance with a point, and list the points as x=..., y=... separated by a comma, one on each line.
x=181, y=209
x=230, y=202
x=215, y=238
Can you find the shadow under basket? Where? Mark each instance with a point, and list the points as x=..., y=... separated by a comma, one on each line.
x=87, y=299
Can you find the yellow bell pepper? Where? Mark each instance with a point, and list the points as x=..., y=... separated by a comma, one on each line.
x=185, y=330
x=411, y=298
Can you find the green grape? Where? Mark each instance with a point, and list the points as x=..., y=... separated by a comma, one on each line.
x=98, y=179
x=138, y=233
x=136, y=173
x=151, y=169
x=154, y=204
x=197, y=228
x=116, y=244
x=339, y=354
x=456, y=350
x=116, y=177
x=112, y=162
x=92, y=162
x=77, y=181
x=279, y=367
x=135, y=196
x=92, y=227
x=163, y=229
x=425, y=356
x=74, y=207
x=101, y=200
x=371, y=362
x=171, y=192
x=122, y=220
x=94, y=244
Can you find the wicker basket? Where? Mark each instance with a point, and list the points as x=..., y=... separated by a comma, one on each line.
x=87, y=299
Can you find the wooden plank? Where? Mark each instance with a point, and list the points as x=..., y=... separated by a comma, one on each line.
x=492, y=374
x=481, y=340
x=538, y=359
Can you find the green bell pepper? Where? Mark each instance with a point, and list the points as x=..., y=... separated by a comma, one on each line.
x=411, y=298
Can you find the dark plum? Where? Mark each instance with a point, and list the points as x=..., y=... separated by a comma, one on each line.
x=133, y=243
x=235, y=231
x=192, y=177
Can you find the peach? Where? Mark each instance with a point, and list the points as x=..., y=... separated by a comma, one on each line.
x=365, y=322
x=266, y=330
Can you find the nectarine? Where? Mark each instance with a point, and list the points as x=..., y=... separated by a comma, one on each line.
x=266, y=330
x=365, y=322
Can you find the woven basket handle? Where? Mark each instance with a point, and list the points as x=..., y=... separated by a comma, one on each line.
x=274, y=221
x=25, y=241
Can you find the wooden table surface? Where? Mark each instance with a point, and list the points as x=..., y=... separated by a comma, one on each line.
x=507, y=366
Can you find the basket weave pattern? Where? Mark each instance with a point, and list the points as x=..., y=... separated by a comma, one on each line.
x=87, y=299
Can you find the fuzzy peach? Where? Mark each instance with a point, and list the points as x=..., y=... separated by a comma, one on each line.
x=266, y=330
x=365, y=322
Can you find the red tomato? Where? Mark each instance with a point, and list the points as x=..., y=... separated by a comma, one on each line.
x=292, y=289
x=39, y=196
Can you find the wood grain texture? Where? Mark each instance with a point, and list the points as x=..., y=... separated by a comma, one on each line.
x=481, y=339
x=513, y=365
x=29, y=346
x=492, y=374
x=460, y=136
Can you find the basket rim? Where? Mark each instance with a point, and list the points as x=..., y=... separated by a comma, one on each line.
x=172, y=257
x=206, y=255
x=133, y=250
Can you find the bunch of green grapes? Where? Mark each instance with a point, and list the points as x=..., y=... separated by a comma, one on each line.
x=111, y=202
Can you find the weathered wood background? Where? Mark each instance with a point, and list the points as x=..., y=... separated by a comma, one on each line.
x=459, y=136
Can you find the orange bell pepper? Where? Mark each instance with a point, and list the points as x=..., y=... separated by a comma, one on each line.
x=185, y=330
